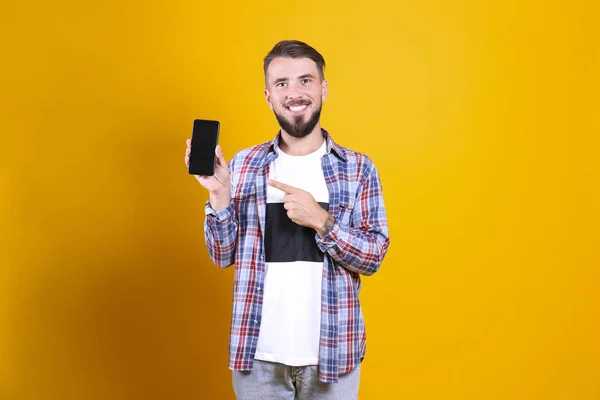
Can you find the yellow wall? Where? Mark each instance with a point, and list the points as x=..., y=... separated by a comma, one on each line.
x=481, y=116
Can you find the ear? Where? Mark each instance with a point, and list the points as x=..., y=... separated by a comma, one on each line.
x=324, y=90
x=268, y=98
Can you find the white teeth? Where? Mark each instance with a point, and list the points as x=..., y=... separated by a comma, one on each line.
x=297, y=108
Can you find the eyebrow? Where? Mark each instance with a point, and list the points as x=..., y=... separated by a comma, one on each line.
x=278, y=80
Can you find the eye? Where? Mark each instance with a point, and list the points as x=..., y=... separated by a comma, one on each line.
x=281, y=84
x=305, y=81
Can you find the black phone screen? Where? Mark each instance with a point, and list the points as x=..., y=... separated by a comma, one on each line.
x=205, y=138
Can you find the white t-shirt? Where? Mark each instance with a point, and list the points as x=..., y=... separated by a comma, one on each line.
x=291, y=312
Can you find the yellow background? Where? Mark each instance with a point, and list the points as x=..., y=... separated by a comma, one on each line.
x=481, y=116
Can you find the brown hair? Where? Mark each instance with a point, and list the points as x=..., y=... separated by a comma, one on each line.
x=295, y=49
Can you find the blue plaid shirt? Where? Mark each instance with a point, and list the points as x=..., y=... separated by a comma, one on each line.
x=356, y=246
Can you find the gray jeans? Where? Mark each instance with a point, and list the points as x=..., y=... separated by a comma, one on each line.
x=273, y=381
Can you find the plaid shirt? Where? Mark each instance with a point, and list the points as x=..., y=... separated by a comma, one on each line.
x=356, y=246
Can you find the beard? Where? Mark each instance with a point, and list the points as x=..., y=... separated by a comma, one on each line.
x=298, y=128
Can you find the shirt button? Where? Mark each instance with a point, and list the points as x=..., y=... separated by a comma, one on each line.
x=256, y=321
x=259, y=289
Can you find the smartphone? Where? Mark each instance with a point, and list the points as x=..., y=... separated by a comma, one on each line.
x=205, y=137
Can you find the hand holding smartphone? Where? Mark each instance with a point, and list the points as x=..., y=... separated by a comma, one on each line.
x=205, y=160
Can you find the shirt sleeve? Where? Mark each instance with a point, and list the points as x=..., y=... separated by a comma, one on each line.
x=220, y=231
x=359, y=239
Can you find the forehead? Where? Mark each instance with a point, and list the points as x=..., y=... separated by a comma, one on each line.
x=284, y=67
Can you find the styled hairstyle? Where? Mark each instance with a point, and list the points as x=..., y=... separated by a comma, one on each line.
x=295, y=49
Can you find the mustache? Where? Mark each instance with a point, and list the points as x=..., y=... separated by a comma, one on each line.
x=297, y=102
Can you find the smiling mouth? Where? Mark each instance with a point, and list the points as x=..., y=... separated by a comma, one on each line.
x=297, y=108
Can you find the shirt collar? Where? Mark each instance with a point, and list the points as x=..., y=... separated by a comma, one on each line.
x=330, y=147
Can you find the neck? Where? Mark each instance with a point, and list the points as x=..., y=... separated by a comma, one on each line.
x=301, y=146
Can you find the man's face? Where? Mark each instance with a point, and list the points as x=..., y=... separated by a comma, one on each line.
x=295, y=92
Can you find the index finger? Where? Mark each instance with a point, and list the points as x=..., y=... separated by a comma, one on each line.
x=281, y=186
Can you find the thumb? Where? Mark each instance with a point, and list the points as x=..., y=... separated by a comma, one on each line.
x=220, y=157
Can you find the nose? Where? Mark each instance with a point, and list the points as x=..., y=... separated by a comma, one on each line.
x=292, y=95
x=293, y=92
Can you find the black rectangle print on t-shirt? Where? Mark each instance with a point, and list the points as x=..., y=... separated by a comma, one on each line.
x=286, y=241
